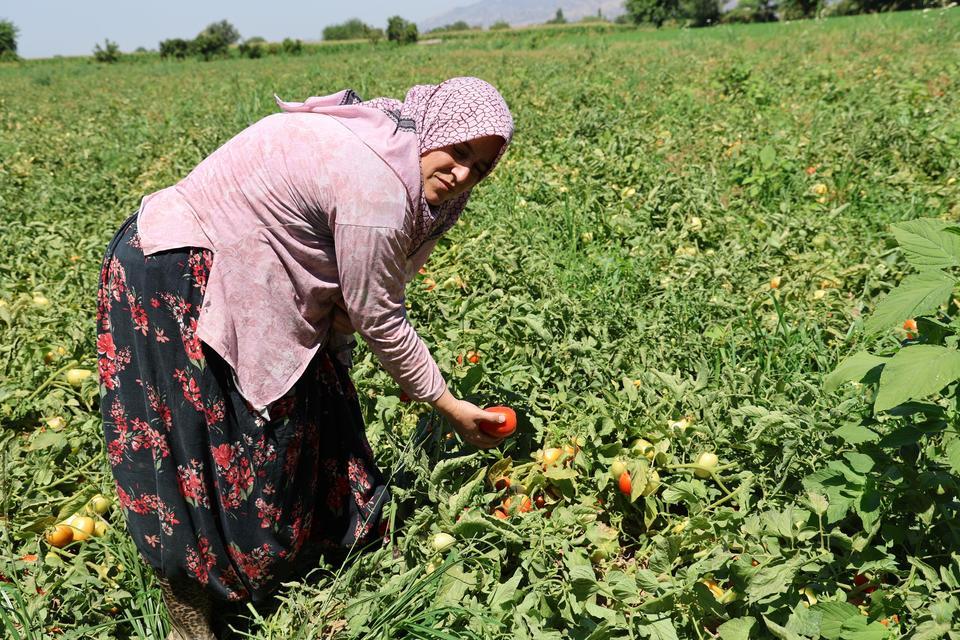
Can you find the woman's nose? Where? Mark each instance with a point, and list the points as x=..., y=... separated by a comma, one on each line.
x=461, y=173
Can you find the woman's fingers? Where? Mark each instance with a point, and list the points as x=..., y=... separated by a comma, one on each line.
x=489, y=416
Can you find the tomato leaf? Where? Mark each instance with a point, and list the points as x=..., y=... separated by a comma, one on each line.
x=852, y=369
x=916, y=295
x=736, y=629
x=834, y=614
x=927, y=244
x=916, y=372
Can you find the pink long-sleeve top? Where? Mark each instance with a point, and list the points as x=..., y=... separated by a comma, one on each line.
x=299, y=214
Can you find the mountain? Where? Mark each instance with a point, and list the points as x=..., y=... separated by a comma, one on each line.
x=522, y=12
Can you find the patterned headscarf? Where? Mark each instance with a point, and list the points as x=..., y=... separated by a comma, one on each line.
x=434, y=116
x=452, y=112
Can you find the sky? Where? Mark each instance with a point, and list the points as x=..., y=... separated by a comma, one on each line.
x=73, y=27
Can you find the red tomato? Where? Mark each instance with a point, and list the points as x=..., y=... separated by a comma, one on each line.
x=503, y=429
x=910, y=325
x=626, y=485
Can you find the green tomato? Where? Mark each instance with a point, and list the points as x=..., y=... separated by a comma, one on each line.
x=707, y=462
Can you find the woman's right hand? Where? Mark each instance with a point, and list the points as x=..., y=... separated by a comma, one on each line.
x=466, y=418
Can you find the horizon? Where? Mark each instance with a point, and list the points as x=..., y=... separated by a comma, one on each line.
x=78, y=28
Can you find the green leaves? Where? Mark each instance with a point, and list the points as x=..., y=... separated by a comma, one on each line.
x=853, y=369
x=916, y=372
x=916, y=295
x=929, y=244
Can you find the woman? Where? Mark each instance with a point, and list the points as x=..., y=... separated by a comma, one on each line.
x=233, y=432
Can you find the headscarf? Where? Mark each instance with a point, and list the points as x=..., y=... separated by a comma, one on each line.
x=429, y=117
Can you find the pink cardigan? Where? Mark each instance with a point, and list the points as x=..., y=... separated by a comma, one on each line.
x=299, y=213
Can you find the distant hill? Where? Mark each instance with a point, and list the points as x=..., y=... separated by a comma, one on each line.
x=522, y=12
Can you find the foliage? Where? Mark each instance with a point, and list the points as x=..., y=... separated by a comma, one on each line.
x=292, y=47
x=799, y=9
x=221, y=31
x=110, y=52
x=499, y=24
x=401, y=31
x=209, y=46
x=459, y=25
x=613, y=279
x=251, y=48
x=700, y=13
x=751, y=11
x=353, y=29
x=8, y=40
x=557, y=18
x=175, y=48
x=655, y=12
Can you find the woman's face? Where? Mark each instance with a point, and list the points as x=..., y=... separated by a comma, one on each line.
x=451, y=170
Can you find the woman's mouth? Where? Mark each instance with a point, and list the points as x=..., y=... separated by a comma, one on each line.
x=446, y=185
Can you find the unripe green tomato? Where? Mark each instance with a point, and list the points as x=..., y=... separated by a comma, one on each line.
x=644, y=448
x=76, y=376
x=708, y=462
x=442, y=541
x=653, y=483
x=617, y=469
x=100, y=504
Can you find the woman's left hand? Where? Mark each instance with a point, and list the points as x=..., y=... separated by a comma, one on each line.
x=465, y=417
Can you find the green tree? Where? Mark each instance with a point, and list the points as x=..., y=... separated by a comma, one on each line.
x=655, y=12
x=798, y=9
x=292, y=47
x=223, y=31
x=8, y=40
x=251, y=48
x=110, y=52
x=401, y=31
x=499, y=24
x=700, y=13
x=352, y=29
x=209, y=46
x=558, y=18
x=175, y=48
x=751, y=11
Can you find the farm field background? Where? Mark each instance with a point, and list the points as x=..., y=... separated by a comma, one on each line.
x=614, y=278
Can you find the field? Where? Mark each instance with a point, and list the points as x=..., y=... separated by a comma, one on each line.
x=683, y=241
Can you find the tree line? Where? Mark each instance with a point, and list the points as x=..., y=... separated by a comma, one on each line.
x=701, y=13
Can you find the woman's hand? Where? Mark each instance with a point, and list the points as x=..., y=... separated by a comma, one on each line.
x=465, y=416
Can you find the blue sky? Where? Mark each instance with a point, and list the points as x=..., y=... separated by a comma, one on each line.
x=51, y=27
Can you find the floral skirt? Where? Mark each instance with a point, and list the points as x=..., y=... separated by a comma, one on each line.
x=213, y=491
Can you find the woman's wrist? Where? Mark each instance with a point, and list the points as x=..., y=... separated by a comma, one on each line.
x=445, y=403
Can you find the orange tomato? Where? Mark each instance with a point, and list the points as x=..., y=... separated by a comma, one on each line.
x=910, y=325
x=625, y=484
x=551, y=455
x=502, y=429
x=59, y=536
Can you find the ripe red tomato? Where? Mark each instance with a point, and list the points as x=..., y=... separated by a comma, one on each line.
x=910, y=325
x=626, y=485
x=503, y=429
x=473, y=357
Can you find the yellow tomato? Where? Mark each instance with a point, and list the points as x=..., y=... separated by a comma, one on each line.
x=83, y=527
x=59, y=536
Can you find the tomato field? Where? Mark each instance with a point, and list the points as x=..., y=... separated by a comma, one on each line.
x=691, y=231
